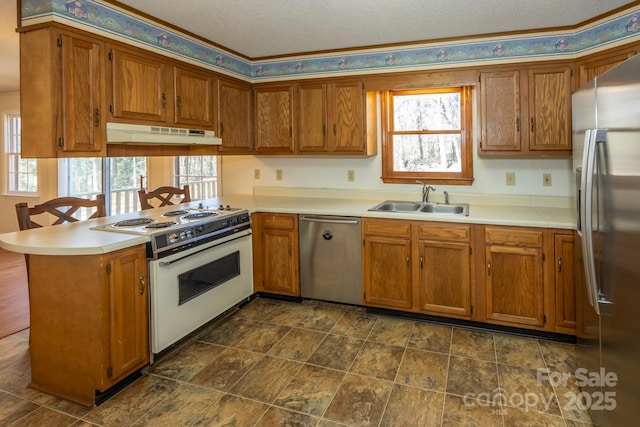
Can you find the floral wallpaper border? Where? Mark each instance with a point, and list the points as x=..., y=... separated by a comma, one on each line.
x=111, y=20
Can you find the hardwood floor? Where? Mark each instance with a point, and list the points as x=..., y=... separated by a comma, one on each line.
x=14, y=293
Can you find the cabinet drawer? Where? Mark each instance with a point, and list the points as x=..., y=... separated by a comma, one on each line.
x=513, y=236
x=279, y=221
x=444, y=232
x=386, y=227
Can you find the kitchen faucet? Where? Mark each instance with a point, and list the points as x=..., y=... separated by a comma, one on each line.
x=426, y=188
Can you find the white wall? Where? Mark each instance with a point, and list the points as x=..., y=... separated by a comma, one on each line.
x=47, y=170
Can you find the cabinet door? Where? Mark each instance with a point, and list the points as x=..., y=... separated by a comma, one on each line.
x=550, y=109
x=387, y=272
x=139, y=87
x=129, y=318
x=234, y=122
x=276, y=254
x=274, y=120
x=347, y=112
x=515, y=285
x=564, y=278
x=312, y=118
x=445, y=278
x=193, y=98
x=83, y=89
x=500, y=121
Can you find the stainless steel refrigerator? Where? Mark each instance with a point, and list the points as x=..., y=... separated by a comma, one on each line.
x=606, y=141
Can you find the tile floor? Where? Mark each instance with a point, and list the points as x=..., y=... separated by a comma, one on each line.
x=313, y=364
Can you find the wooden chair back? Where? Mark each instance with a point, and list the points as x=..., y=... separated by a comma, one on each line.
x=164, y=196
x=62, y=207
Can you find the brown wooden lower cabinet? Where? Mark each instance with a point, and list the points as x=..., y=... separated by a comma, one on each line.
x=514, y=276
x=387, y=271
x=417, y=266
x=275, y=253
x=89, y=321
x=511, y=276
x=564, y=281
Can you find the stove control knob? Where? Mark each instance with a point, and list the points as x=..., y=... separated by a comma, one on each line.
x=221, y=208
x=228, y=208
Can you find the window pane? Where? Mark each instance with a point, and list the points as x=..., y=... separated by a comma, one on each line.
x=22, y=174
x=433, y=111
x=426, y=153
x=124, y=179
x=200, y=172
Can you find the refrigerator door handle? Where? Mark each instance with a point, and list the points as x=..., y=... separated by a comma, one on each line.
x=586, y=215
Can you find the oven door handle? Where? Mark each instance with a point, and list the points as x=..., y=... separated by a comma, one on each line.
x=237, y=236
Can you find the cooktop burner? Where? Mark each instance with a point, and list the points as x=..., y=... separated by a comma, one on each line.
x=199, y=215
x=176, y=213
x=133, y=222
x=164, y=224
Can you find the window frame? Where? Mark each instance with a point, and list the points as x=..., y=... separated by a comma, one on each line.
x=194, y=194
x=465, y=177
x=9, y=155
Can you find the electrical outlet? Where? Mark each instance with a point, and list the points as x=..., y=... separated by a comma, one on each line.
x=278, y=174
x=351, y=175
x=256, y=174
x=511, y=178
x=546, y=179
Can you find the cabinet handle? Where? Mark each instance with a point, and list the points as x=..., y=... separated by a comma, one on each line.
x=289, y=250
x=221, y=129
x=324, y=130
x=532, y=124
x=559, y=264
x=179, y=102
x=335, y=129
x=421, y=261
x=488, y=267
x=164, y=100
x=96, y=117
x=518, y=124
x=142, y=285
x=407, y=260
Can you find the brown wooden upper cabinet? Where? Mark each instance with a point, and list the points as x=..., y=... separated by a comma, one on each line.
x=526, y=112
x=234, y=117
x=62, y=98
x=140, y=90
x=274, y=119
x=337, y=117
x=194, y=103
x=593, y=65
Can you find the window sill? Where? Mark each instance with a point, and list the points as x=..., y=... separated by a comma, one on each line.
x=440, y=181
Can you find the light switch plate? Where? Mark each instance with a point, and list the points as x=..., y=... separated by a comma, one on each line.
x=546, y=179
x=511, y=178
x=278, y=174
x=256, y=174
x=351, y=175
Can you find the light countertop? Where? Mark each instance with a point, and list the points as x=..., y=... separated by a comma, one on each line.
x=79, y=239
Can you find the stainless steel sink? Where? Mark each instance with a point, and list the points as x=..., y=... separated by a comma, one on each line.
x=419, y=207
x=461, y=209
x=396, y=206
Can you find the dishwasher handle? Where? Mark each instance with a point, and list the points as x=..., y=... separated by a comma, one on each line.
x=330, y=219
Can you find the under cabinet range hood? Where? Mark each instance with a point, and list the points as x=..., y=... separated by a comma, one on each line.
x=124, y=133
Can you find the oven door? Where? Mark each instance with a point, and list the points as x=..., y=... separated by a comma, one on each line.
x=190, y=288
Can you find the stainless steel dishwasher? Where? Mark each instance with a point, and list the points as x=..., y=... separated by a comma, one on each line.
x=331, y=258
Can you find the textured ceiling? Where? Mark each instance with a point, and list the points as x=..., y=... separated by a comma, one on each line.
x=262, y=28
x=258, y=28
